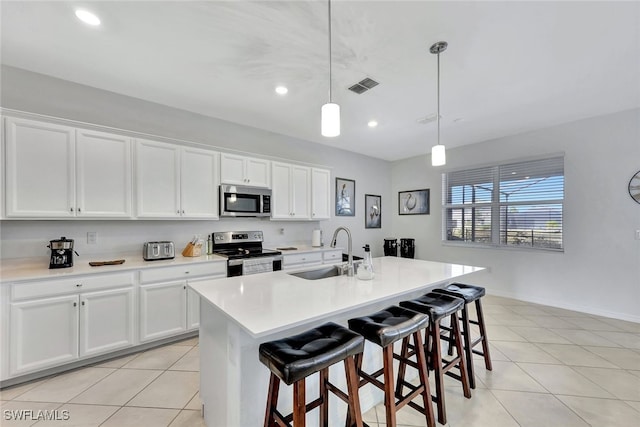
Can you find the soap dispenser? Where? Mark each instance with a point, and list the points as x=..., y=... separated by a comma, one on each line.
x=365, y=270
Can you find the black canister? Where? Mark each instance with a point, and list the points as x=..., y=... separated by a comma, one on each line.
x=407, y=248
x=390, y=247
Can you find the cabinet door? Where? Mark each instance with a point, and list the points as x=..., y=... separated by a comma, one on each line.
x=103, y=165
x=162, y=310
x=281, y=191
x=199, y=183
x=193, y=309
x=158, y=179
x=320, y=194
x=40, y=172
x=106, y=321
x=300, y=185
x=43, y=333
x=258, y=172
x=232, y=169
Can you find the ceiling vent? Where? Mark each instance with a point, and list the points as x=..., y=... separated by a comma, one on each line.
x=363, y=85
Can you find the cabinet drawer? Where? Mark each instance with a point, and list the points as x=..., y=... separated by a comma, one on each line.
x=72, y=284
x=332, y=256
x=163, y=274
x=306, y=258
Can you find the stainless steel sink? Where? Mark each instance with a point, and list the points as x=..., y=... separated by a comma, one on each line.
x=320, y=273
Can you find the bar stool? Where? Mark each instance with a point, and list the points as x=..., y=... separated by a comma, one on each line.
x=470, y=294
x=294, y=358
x=438, y=306
x=384, y=328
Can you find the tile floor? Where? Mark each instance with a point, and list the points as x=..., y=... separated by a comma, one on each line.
x=551, y=367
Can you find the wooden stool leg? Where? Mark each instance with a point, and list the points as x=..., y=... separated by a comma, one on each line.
x=402, y=367
x=424, y=379
x=272, y=401
x=299, y=403
x=324, y=395
x=436, y=357
x=483, y=334
x=354, y=417
x=468, y=349
x=459, y=348
x=389, y=396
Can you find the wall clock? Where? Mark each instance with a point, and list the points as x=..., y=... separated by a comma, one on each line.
x=634, y=187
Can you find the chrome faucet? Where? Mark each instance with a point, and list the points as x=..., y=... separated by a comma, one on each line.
x=350, y=253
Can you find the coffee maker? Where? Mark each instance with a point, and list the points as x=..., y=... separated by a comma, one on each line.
x=61, y=253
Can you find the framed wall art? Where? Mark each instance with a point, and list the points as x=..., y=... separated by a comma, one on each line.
x=414, y=202
x=372, y=211
x=345, y=197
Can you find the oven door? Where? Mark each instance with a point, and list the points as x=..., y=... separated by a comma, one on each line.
x=244, y=201
x=243, y=267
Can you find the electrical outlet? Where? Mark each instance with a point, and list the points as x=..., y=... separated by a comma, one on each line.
x=282, y=231
x=92, y=237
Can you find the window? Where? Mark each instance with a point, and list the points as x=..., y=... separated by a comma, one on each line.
x=517, y=204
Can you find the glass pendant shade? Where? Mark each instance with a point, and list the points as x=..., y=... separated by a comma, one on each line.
x=330, y=121
x=438, y=155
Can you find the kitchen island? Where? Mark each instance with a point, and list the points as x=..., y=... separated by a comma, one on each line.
x=237, y=314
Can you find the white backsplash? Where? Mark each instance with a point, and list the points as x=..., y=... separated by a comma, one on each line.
x=29, y=238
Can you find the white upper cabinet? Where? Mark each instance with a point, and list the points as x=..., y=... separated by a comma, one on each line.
x=175, y=182
x=157, y=179
x=40, y=170
x=103, y=165
x=290, y=192
x=199, y=183
x=320, y=193
x=241, y=170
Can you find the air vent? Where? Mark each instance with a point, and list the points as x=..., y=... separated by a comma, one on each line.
x=363, y=85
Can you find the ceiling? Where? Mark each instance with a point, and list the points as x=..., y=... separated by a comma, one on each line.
x=511, y=67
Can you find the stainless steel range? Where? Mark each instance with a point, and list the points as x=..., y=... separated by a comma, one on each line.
x=244, y=252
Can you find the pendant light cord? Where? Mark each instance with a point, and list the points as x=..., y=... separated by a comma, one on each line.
x=438, y=97
x=330, y=71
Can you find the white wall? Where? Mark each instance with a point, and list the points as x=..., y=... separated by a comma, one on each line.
x=36, y=93
x=599, y=270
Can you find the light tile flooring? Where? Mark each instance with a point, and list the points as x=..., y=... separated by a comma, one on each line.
x=551, y=367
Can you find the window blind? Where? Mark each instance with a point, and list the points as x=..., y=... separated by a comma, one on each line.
x=515, y=204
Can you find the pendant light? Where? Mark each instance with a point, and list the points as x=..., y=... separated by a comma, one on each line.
x=438, y=155
x=330, y=113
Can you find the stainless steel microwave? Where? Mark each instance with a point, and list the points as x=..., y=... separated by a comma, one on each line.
x=237, y=200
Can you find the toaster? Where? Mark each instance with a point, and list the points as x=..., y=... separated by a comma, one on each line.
x=158, y=250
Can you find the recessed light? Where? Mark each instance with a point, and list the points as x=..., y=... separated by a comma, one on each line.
x=281, y=90
x=87, y=17
x=372, y=123
x=513, y=173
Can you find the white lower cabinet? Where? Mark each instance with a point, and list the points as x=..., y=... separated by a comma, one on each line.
x=163, y=310
x=47, y=332
x=44, y=333
x=107, y=321
x=306, y=259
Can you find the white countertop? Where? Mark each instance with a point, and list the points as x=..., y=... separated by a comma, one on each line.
x=271, y=302
x=19, y=269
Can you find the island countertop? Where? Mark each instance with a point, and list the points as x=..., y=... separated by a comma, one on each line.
x=267, y=303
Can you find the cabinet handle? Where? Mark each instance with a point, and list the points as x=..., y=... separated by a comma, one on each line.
x=313, y=214
x=82, y=302
x=79, y=210
x=78, y=285
x=70, y=209
x=178, y=211
x=184, y=287
x=75, y=304
x=186, y=272
x=183, y=212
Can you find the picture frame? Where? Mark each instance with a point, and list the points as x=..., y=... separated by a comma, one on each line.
x=372, y=211
x=413, y=202
x=345, y=197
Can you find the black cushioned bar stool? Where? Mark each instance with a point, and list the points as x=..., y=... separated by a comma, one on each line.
x=471, y=294
x=294, y=358
x=437, y=307
x=384, y=328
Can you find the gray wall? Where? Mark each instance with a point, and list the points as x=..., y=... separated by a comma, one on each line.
x=599, y=270
x=36, y=93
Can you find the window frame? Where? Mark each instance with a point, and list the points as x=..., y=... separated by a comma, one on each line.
x=496, y=205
